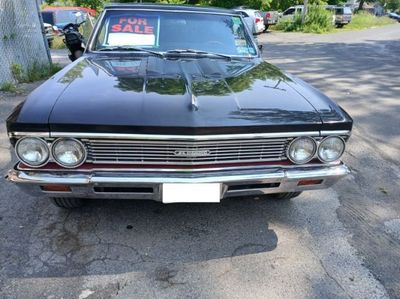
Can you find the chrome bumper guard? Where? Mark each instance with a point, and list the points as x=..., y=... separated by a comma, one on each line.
x=148, y=185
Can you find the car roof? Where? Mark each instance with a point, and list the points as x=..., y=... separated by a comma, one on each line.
x=170, y=7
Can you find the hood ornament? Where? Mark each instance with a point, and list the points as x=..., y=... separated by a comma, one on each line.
x=195, y=105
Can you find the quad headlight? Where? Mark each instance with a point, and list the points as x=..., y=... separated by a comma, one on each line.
x=32, y=151
x=331, y=149
x=68, y=152
x=302, y=150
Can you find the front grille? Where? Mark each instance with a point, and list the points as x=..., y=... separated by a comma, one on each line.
x=125, y=151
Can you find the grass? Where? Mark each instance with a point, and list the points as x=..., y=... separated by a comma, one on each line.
x=363, y=20
x=9, y=87
x=58, y=43
x=34, y=72
x=317, y=23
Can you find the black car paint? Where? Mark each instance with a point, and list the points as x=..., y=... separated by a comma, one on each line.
x=148, y=94
x=137, y=93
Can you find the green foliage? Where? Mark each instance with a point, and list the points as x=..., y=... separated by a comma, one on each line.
x=391, y=5
x=364, y=19
x=288, y=24
x=58, y=43
x=95, y=4
x=17, y=72
x=284, y=4
x=256, y=4
x=317, y=20
x=173, y=1
x=8, y=87
x=34, y=72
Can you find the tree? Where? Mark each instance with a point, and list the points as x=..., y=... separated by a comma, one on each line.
x=360, y=6
x=94, y=4
x=391, y=5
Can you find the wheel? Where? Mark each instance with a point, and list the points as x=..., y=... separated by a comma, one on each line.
x=282, y=196
x=339, y=25
x=66, y=203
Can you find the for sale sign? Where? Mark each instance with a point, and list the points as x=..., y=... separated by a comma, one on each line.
x=133, y=30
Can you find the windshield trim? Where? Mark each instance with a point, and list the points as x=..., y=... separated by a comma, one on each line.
x=99, y=24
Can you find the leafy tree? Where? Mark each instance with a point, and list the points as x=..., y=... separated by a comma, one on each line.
x=95, y=4
x=391, y=5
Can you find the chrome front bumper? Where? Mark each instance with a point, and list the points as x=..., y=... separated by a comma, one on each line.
x=148, y=185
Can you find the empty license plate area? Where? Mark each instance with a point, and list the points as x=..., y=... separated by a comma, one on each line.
x=191, y=193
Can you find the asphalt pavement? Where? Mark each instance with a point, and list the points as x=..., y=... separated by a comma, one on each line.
x=343, y=242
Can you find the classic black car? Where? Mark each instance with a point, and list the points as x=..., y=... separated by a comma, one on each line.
x=175, y=104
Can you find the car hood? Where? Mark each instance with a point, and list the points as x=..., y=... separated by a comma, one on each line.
x=186, y=95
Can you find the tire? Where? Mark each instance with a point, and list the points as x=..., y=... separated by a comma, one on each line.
x=284, y=196
x=66, y=203
x=339, y=25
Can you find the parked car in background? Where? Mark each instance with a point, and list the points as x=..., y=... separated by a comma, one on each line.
x=292, y=11
x=394, y=16
x=257, y=24
x=342, y=14
x=270, y=18
x=49, y=31
x=61, y=17
x=149, y=112
x=91, y=12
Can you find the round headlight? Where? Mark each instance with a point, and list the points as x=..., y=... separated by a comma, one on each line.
x=302, y=150
x=32, y=151
x=69, y=152
x=331, y=149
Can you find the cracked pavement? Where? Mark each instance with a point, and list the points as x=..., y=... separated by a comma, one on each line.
x=342, y=242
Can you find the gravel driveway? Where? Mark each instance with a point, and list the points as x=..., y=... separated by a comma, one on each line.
x=342, y=242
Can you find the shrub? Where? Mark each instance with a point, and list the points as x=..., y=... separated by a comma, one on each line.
x=8, y=87
x=17, y=72
x=34, y=72
x=294, y=24
x=318, y=20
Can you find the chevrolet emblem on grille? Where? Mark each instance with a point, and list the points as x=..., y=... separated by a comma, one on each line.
x=192, y=153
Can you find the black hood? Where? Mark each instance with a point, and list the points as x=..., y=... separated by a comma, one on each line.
x=186, y=95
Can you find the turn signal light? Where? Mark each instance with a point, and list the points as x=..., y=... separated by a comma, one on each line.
x=56, y=188
x=309, y=182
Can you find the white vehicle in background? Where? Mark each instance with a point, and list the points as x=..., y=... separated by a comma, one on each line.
x=292, y=11
x=253, y=19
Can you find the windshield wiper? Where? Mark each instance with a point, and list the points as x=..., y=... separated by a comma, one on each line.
x=129, y=48
x=199, y=52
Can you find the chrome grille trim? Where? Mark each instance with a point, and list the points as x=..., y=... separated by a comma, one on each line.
x=157, y=137
x=162, y=152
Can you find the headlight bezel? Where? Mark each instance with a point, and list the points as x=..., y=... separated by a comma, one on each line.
x=340, y=155
x=315, y=145
x=54, y=157
x=46, y=146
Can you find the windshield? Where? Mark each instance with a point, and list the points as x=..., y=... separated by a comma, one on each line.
x=165, y=31
x=343, y=11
